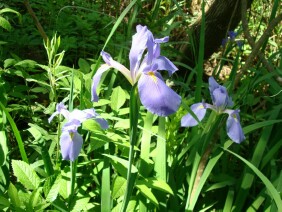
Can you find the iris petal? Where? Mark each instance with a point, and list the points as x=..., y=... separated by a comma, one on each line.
x=220, y=97
x=71, y=144
x=82, y=115
x=103, y=123
x=60, y=109
x=156, y=96
x=95, y=81
x=114, y=64
x=139, y=44
x=200, y=111
x=165, y=64
x=234, y=129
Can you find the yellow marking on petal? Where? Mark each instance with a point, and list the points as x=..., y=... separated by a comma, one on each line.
x=71, y=135
x=201, y=106
x=235, y=117
x=151, y=74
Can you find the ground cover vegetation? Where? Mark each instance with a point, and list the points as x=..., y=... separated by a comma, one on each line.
x=120, y=106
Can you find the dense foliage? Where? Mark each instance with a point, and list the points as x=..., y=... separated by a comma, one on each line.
x=137, y=148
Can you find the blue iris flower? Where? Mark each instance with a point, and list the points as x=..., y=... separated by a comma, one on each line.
x=145, y=64
x=71, y=141
x=231, y=37
x=221, y=101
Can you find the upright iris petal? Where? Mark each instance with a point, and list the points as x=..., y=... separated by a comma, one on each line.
x=219, y=95
x=139, y=44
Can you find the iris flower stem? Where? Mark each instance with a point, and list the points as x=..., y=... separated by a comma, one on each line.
x=133, y=114
x=209, y=139
x=73, y=166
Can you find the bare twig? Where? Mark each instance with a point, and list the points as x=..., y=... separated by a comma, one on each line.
x=250, y=40
x=258, y=45
x=35, y=19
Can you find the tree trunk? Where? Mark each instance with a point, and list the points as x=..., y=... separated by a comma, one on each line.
x=222, y=16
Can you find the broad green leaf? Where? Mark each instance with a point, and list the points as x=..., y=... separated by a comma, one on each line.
x=4, y=202
x=13, y=194
x=91, y=125
x=9, y=62
x=118, y=98
x=123, y=124
x=97, y=141
x=39, y=90
x=35, y=133
x=147, y=193
x=3, y=147
x=156, y=184
x=119, y=187
x=25, y=174
x=131, y=206
x=121, y=165
x=5, y=24
x=35, y=198
x=80, y=204
x=30, y=64
x=83, y=66
x=52, y=188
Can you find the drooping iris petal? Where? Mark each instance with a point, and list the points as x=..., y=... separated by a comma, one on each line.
x=233, y=126
x=95, y=81
x=82, y=115
x=71, y=144
x=156, y=47
x=103, y=123
x=156, y=96
x=200, y=111
x=116, y=65
x=139, y=44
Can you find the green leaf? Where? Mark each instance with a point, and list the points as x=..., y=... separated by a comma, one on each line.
x=118, y=98
x=5, y=24
x=9, y=62
x=147, y=193
x=25, y=174
x=4, y=202
x=83, y=66
x=119, y=187
x=80, y=204
x=35, y=198
x=3, y=147
x=13, y=194
x=121, y=165
x=26, y=64
x=8, y=10
x=272, y=190
x=156, y=184
x=53, y=192
x=16, y=133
